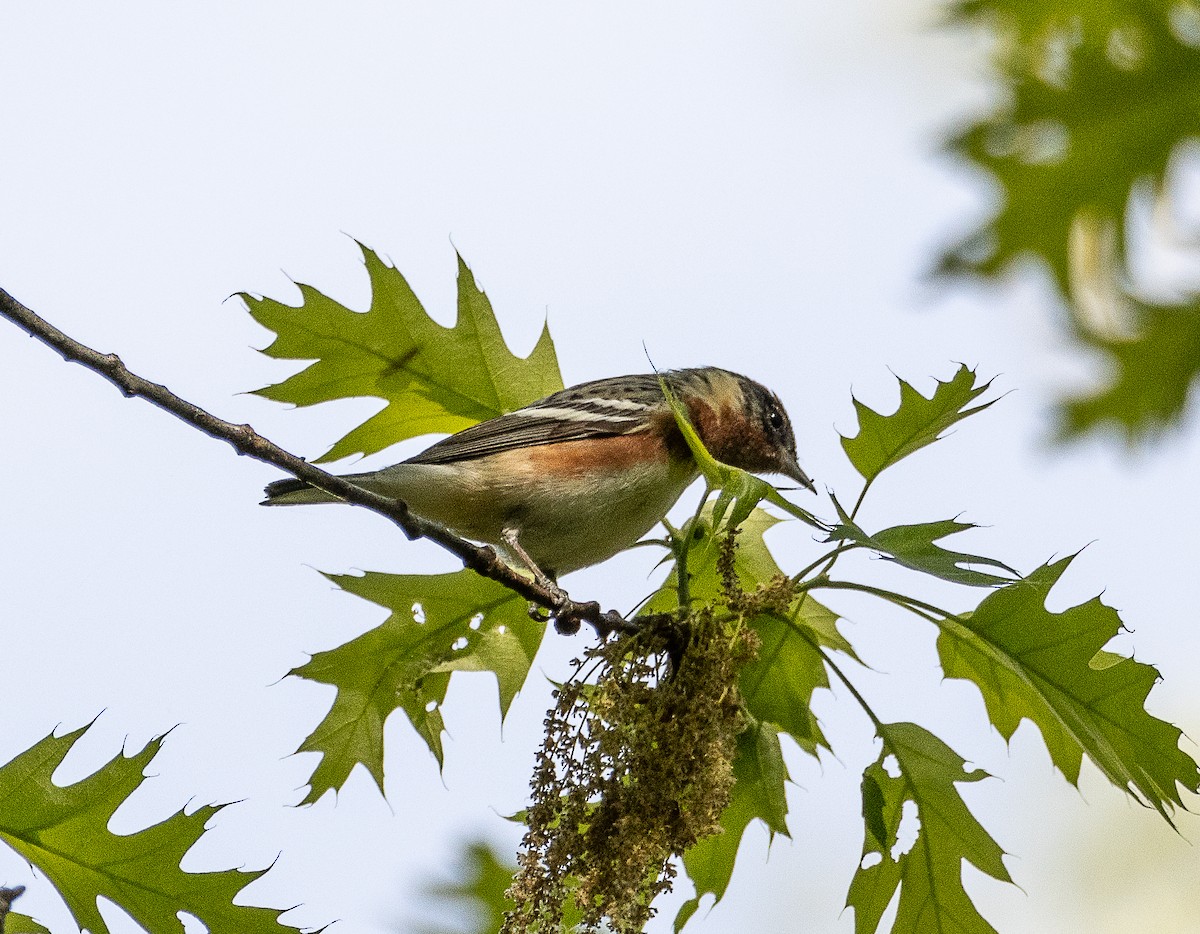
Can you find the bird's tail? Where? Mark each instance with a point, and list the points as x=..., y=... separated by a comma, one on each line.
x=293, y=492
x=394, y=481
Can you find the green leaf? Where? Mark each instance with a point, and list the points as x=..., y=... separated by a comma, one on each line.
x=467, y=623
x=63, y=832
x=433, y=378
x=1090, y=21
x=882, y=440
x=873, y=807
x=481, y=885
x=481, y=880
x=753, y=562
x=778, y=685
x=1100, y=99
x=1088, y=122
x=1029, y=663
x=754, y=565
x=777, y=688
x=1154, y=374
x=914, y=546
x=929, y=873
x=758, y=793
x=15, y=923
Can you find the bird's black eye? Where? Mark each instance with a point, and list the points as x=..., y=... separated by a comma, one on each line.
x=775, y=418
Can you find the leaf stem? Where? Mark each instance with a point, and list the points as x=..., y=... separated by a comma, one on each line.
x=831, y=557
x=835, y=668
x=683, y=545
x=928, y=611
x=861, y=496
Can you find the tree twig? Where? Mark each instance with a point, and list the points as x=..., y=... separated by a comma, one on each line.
x=568, y=614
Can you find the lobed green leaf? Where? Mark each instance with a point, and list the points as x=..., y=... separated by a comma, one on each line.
x=433, y=378
x=777, y=688
x=758, y=794
x=63, y=832
x=1154, y=372
x=929, y=873
x=1049, y=668
x=883, y=440
x=779, y=684
x=439, y=624
x=915, y=547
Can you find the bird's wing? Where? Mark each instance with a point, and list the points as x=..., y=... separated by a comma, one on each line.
x=603, y=408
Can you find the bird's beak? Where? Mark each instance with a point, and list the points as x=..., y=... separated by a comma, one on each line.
x=791, y=468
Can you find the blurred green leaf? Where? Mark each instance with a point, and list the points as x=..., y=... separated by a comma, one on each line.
x=929, y=873
x=758, y=793
x=1099, y=99
x=433, y=378
x=481, y=882
x=914, y=547
x=63, y=832
x=1084, y=126
x=1154, y=374
x=882, y=440
x=1030, y=663
x=439, y=624
x=1032, y=21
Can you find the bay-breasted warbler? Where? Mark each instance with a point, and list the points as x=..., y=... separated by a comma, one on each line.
x=570, y=480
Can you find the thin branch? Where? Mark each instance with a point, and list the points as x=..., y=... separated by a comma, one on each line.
x=568, y=614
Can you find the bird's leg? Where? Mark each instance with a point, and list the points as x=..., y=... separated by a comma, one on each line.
x=513, y=544
x=565, y=624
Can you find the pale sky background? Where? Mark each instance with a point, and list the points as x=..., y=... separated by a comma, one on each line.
x=755, y=185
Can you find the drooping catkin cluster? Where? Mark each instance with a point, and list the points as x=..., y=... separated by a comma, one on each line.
x=636, y=767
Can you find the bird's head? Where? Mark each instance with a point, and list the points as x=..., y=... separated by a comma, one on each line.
x=741, y=422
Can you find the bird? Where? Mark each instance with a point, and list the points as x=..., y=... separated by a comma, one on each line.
x=570, y=480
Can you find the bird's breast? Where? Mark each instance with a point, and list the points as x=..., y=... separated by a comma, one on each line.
x=574, y=503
